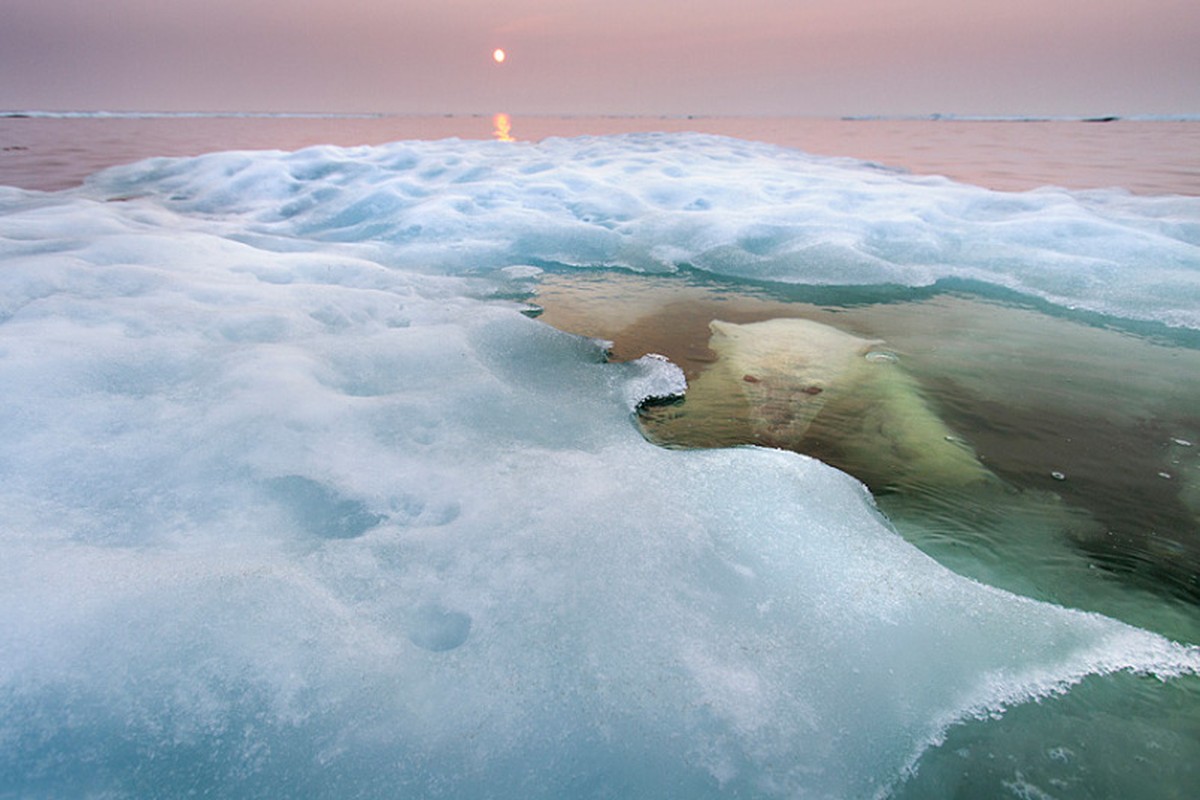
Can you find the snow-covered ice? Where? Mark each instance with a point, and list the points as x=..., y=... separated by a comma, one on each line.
x=294, y=501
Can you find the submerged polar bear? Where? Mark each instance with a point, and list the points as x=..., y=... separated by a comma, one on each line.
x=805, y=386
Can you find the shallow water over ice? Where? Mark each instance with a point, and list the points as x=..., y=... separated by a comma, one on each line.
x=1087, y=431
x=297, y=501
x=1107, y=410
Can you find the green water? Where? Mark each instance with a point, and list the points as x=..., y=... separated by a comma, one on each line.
x=1092, y=433
x=1086, y=433
x=1122, y=736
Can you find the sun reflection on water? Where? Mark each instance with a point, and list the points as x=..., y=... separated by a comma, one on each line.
x=502, y=125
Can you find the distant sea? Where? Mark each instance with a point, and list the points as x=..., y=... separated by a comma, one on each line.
x=43, y=150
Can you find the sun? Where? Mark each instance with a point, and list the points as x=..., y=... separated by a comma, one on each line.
x=499, y=55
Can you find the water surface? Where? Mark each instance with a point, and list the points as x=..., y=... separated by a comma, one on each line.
x=1144, y=157
x=1089, y=430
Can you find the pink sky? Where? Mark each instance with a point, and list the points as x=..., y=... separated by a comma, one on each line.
x=793, y=57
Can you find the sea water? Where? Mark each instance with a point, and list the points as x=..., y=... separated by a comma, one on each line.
x=298, y=499
x=1089, y=441
x=55, y=151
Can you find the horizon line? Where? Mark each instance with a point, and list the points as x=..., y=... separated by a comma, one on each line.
x=868, y=117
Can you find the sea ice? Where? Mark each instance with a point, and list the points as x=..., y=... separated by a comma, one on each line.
x=288, y=507
x=653, y=202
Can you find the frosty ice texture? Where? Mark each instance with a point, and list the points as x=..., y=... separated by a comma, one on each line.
x=655, y=201
x=292, y=503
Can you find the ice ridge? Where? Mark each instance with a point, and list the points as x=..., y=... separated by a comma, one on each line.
x=654, y=202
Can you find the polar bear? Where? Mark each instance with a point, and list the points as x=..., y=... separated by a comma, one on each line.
x=802, y=385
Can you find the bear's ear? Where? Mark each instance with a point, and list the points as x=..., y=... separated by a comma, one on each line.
x=719, y=328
